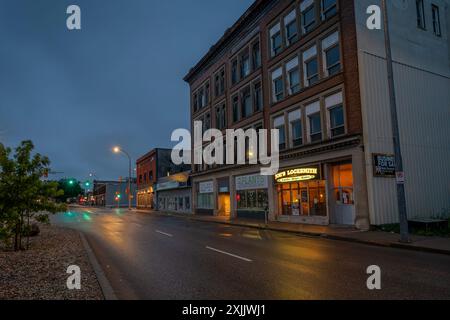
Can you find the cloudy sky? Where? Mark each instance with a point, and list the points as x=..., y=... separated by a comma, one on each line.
x=76, y=94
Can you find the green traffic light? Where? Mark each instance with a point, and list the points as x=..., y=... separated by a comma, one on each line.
x=71, y=182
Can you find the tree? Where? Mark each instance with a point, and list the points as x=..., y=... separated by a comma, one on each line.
x=23, y=194
x=71, y=188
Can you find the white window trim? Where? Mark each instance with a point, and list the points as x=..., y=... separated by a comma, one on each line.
x=331, y=102
x=311, y=109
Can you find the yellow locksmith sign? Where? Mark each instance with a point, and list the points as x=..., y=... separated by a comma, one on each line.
x=299, y=174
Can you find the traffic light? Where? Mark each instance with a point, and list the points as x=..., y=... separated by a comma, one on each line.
x=87, y=184
x=71, y=182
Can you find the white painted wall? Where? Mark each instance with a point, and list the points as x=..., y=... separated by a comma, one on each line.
x=422, y=79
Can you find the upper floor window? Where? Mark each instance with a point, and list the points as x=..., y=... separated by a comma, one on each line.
x=219, y=83
x=314, y=122
x=290, y=25
x=195, y=102
x=257, y=92
x=234, y=71
x=278, y=123
x=245, y=64
x=296, y=130
x=436, y=20
x=293, y=76
x=246, y=101
x=277, y=85
x=420, y=8
x=331, y=54
x=335, y=109
x=150, y=176
x=256, y=55
x=329, y=8
x=221, y=117
x=235, y=107
x=310, y=66
x=275, y=40
x=308, y=11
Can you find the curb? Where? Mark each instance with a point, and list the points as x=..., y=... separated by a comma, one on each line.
x=107, y=290
x=315, y=235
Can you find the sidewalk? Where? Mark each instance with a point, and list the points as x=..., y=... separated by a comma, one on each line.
x=376, y=238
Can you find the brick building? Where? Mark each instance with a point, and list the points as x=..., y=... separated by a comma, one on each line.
x=297, y=66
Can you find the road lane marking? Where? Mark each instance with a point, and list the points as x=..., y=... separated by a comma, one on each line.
x=163, y=233
x=229, y=254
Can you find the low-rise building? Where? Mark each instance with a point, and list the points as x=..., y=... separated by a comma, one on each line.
x=174, y=193
x=113, y=193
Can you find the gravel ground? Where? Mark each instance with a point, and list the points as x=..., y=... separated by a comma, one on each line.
x=40, y=273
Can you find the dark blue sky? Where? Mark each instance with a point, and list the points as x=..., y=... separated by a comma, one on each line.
x=117, y=81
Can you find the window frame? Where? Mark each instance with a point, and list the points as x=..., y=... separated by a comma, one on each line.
x=420, y=11
x=436, y=20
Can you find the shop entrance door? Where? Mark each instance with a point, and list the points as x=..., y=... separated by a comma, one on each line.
x=342, y=203
x=224, y=205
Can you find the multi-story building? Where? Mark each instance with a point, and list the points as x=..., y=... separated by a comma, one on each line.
x=313, y=70
x=151, y=167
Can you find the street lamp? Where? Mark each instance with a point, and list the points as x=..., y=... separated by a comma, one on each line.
x=118, y=150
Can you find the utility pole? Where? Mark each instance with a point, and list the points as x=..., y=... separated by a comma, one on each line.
x=403, y=216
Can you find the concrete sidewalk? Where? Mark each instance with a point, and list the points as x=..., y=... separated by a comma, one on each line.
x=377, y=238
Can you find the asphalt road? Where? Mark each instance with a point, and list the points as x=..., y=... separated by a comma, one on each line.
x=147, y=256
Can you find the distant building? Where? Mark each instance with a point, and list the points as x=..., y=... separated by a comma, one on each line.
x=113, y=193
x=174, y=193
x=151, y=167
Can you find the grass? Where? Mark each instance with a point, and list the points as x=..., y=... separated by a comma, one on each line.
x=395, y=228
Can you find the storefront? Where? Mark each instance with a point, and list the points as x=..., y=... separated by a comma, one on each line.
x=316, y=194
x=252, y=196
x=145, y=198
x=205, y=197
x=174, y=193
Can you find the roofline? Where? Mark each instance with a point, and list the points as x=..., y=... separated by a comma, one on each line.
x=153, y=151
x=226, y=36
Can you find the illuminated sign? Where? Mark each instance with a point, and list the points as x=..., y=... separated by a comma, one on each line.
x=296, y=175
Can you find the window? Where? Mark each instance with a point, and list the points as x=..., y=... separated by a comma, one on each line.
x=275, y=40
x=315, y=127
x=221, y=121
x=245, y=65
x=206, y=96
x=180, y=203
x=140, y=178
x=436, y=20
x=277, y=85
x=246, y=101
x=314, y=122
x=207, y=122
x=308, y=15
x=311, y=71
x=331, y=54
x=252, y=199
x=235, y=108
x=219, y=83
x=296, y=130
x=278, y=123
x=329, y=8
x=420, y=14
x=234, y=74
x=342, y=176
x=195, y=102
x=290, y=23
x=335, y=109
x=257, y=93
x=145, y=177
x=256, y=55
x=293, y=73
x=150, y=176
x=187, y=203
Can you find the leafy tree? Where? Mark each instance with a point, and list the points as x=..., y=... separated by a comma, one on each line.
x=23, y=194
x=71, y=188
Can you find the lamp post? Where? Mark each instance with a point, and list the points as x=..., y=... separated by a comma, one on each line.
x=120, y=150
x=403, y=216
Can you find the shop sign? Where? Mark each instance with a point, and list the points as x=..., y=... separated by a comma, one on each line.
x=251, y=182
x=384, y=165
x=206, y=187
x=299, y=174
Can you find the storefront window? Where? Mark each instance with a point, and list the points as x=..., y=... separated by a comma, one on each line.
x=302, y=199
x=343, y=183
x=187, y=203
x=252, y=199
x=205, y=200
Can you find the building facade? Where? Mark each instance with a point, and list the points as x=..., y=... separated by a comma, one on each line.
x=113, y=193
x=174, y=193
x=150, y=168
x=300, y=67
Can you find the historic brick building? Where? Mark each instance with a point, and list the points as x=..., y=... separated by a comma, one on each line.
x=296, y=66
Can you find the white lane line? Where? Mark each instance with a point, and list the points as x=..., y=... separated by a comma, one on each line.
x=229, y=254
x=163, y=233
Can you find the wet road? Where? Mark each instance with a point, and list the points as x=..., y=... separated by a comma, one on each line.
x=146, y=256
